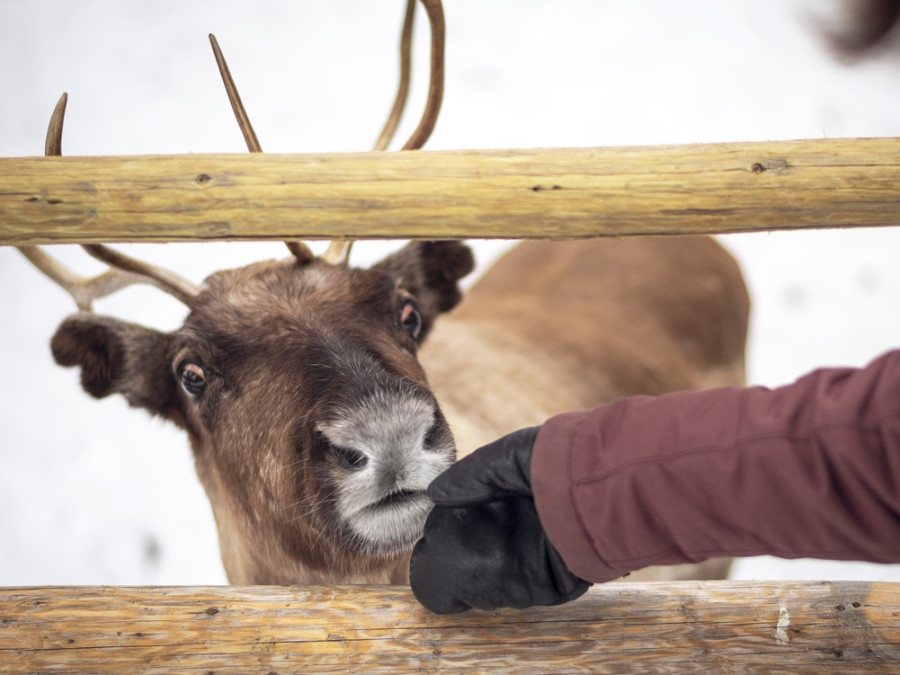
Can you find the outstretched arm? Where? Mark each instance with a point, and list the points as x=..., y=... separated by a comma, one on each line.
x=807, y=470
x=811, y=469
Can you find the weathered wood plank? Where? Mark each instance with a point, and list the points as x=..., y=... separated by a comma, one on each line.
x=562, y=193
x=797, y=627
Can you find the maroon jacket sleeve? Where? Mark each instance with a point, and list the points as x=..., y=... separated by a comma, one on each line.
x=811, y=469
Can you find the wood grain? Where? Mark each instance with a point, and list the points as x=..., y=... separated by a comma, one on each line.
x=561, y=193
x=688, y=627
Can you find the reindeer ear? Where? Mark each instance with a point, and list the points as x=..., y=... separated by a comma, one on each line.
x=431, y=270
x=118, y=357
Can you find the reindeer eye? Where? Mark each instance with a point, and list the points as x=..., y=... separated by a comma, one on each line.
x=410, y=319
x=349, y=458
x=192, y=378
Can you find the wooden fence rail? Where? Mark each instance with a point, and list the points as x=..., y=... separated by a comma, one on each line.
x=690, y=627
x=509, y=193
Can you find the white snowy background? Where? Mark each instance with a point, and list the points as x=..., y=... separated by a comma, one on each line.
x=97, y=493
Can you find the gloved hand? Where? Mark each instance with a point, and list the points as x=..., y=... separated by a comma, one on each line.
x=484, y=546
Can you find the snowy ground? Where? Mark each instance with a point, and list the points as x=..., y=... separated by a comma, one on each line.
x=92, y=492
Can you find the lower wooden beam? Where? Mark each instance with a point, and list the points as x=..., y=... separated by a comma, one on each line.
x=554, y=194
x=690, y=627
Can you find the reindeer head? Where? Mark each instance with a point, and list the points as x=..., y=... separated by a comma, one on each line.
x=313, y=430
x=311, y=422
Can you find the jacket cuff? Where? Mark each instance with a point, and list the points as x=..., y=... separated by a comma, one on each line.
x=551, y=484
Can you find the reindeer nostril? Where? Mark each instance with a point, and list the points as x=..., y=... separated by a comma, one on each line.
x=349, y=458
x=437, y=437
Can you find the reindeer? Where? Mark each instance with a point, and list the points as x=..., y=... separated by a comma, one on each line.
x=864, y=27
x=320, y=400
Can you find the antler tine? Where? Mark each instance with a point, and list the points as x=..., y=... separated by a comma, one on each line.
x=82, y=289
x=166, y=280
x=128, y=271
x=235, y=98
x=393, y=120
x=435, y=11
x=339, y=250
x=53, y=141
x=298, y=249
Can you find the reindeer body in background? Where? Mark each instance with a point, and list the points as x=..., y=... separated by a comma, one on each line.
x=316, y=421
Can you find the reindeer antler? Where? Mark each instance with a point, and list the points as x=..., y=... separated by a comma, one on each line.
x=297, y=248
x=420, y=136
x=125, y=270
x=338, y=250
x=393, y=120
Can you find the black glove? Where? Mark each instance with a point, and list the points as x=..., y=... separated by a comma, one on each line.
x=484, y=546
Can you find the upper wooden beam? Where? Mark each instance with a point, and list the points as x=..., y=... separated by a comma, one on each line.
x=689, y=627
x=563, y=193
